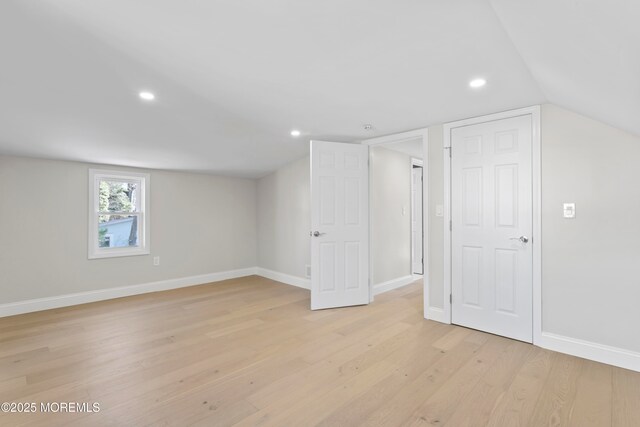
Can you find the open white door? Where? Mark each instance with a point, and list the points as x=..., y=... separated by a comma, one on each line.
x=339, y=224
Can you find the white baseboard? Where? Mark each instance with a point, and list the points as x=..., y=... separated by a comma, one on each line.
x=284, y=278
x=28, y=306
x=590, y=350
x=393, y=284
x=436, y=314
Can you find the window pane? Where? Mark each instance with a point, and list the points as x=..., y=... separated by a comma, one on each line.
x=118, y=231
x=118, y=196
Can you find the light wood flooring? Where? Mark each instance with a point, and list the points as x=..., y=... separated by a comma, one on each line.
x=250, y=352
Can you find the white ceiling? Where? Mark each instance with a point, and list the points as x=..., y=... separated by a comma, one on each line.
x=584, y=54
x=232, y=78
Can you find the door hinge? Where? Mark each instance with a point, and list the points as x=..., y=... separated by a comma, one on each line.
x=450, y=298
x=450, y=225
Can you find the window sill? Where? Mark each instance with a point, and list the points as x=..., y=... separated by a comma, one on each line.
x=119, y=253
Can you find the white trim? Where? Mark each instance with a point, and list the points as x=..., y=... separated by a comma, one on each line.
x=436, y=314
x=419, y=163
x=444, y=315
x=590, y=350
x=400, y=137
x=287, y=279
x=393, y=284
x=536, y=240
x=29, y=306
x=144, y=227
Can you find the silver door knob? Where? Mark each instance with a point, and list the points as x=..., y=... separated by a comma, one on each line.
x=523, y=239
x=316, y=234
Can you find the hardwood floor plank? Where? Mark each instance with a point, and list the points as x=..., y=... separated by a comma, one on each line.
x=442, y=403
x=324, y=371
x=250, y=352
x=400, y=407
x=517, y=405
x=593, y=398
x=476, y=406
x=625, y=398
x=412, y=359
x=556, y=400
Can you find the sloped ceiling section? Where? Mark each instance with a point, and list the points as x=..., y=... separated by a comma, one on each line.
x=232, y=78
x=584, y=54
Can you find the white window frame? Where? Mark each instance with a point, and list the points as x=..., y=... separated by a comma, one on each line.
x=143, y=180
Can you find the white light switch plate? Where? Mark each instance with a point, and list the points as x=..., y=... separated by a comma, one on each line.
x=569, y=210
x=439, y=210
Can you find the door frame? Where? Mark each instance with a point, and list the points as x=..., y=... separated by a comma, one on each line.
x=444, y=315
x=420, y=163
x=401, y=137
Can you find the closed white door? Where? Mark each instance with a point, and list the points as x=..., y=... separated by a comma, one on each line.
x=339, y=224
x=416, y=220
x=491, y=212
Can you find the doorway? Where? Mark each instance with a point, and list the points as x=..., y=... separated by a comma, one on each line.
x=398, y=223
x=343, y=255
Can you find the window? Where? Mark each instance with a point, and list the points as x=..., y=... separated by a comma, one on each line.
x=106, y=241
x=118, y=218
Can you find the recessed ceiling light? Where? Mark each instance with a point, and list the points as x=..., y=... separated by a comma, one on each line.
x=147, y=96
x=367, y=127
x=295, y=132
x=476, y=83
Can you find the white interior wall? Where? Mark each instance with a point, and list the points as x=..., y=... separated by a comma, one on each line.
x=390, y=215
x=200, y=224
x=590, y=264
x=284, y=219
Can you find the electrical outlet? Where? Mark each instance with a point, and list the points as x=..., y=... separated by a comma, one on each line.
x=156, y=260
x=569, y=210
x=308, y=271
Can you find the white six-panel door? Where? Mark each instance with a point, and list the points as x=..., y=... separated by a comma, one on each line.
x=491, y=212
x=339, y=224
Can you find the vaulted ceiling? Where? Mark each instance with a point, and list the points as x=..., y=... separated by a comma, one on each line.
x=232, y=78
